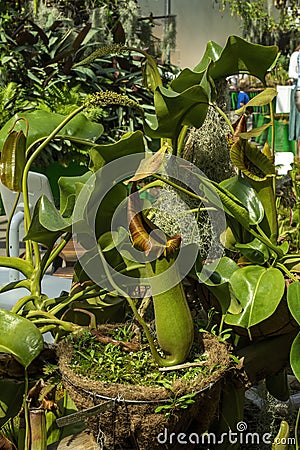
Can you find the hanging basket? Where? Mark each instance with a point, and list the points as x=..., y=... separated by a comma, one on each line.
x=132, y=422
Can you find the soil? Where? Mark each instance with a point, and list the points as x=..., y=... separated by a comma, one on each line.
x=133, y=422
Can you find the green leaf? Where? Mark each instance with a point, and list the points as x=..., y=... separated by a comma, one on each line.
x=218, y=283
x=11, y=399
x=255, y=251
x=130, y=143
x=240, y=56
x=260, y=173
x=66, y=407
x=151, y=75
x=293, y=299
x=232, y=205
x=187, y=78
x=108, y=207
x=295, y=356
x=174, y=110
x=242, y=190
x=263, y=98
x=108, y=243
x=252, y=286
x=42, y=123
x=112, y=239
x=47, y=224
x=255, y=132
x=69, y=188
x=212, y=53
x=19, y=337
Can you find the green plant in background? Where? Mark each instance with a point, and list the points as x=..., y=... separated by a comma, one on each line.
x=266, y=22
x=44, y=62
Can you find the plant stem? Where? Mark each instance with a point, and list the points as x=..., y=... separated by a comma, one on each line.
x=56, y=251
x=273, y=130
x=151, y=185
x=225, y=117
x=79, y=295
x=21, y=303
x=180, y=188
x=17, y=263
x=133, y=307
x=49, y=319
x=12, y=212
x=27, y=218
x=181, y=139
x=287, y=272
x=26, y=412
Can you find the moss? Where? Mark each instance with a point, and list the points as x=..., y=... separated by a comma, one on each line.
x=208, y=149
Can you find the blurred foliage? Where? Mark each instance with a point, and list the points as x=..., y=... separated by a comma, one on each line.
x=267, y=22
x=40, y=66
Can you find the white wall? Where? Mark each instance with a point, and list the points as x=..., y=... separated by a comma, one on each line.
x=198, y=21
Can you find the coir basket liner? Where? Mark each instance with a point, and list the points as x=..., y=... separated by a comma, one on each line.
x=133, y=423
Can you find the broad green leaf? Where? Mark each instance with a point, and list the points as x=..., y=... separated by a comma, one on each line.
x=95, y=208
x=42, y=123
x=111, y=239
x=218, y=283
x=260, y=173
x=259, y=291
x=11, y=399
x=255, y=131
x=255, y=251
x=231, y=204
x=174, y=110
x=240, y=56
x=69, y=188
x=47, y=224
x=295, y=356
x=263, y=98
x=129, y=144
x=19, y=337
x=108, y=207
x=242, y=190
x=66, y=407
x=151, y=75
x=188, y=78
x=293, y=299
x=108, y=243
x=213, y=52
